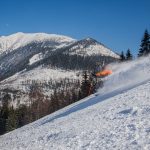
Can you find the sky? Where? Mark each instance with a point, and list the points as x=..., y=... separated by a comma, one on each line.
x=118, y=24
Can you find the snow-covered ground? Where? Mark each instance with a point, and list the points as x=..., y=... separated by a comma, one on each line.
x=39, y=74
x=115, y=118
x=127, y=74
x=35, y=58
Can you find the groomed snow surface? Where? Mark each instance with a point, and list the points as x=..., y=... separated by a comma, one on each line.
x=115, y=118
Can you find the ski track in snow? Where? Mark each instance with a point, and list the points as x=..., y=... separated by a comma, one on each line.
x=115, y=118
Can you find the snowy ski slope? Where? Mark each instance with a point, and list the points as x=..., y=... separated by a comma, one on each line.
x=115, y=118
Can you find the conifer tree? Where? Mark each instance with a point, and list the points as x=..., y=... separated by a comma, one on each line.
x=2, y=121
x=129, y=55
x=11, y=121
x=4, y=112
x=122, y=56
x=85, y=85
x=149, y=43
x=145, y=45
x=55, y=101
x=22, y=115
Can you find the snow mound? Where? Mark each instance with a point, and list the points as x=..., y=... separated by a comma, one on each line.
x=14, y=41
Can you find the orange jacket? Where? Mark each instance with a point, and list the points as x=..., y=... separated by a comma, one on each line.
x=103, y=73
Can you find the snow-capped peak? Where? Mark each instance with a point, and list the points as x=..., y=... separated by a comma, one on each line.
x=90, y=39
x=90, y=46
x=14, y=41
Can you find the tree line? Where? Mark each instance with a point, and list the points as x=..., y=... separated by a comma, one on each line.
x=144, y=49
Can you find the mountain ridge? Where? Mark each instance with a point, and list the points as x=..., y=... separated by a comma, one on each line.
x=16, y=56
x=49, y=61
x=20, y=39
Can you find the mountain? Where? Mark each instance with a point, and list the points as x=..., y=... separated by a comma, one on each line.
x=116, y=117
x=22, y=51
x=44, y=59
x=88, y=47
x=17, y=49
x=17, y=40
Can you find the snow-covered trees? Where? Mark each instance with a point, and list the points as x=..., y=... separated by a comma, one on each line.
x=145, y=45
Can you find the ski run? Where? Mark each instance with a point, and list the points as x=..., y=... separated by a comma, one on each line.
x=117, y=117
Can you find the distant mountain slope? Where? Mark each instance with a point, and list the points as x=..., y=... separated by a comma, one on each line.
x=17, y=49
x=47, y=59
x=89, y=47
x=14, y=41
x=22, y=51
x=39, y=74
x=117, y=118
